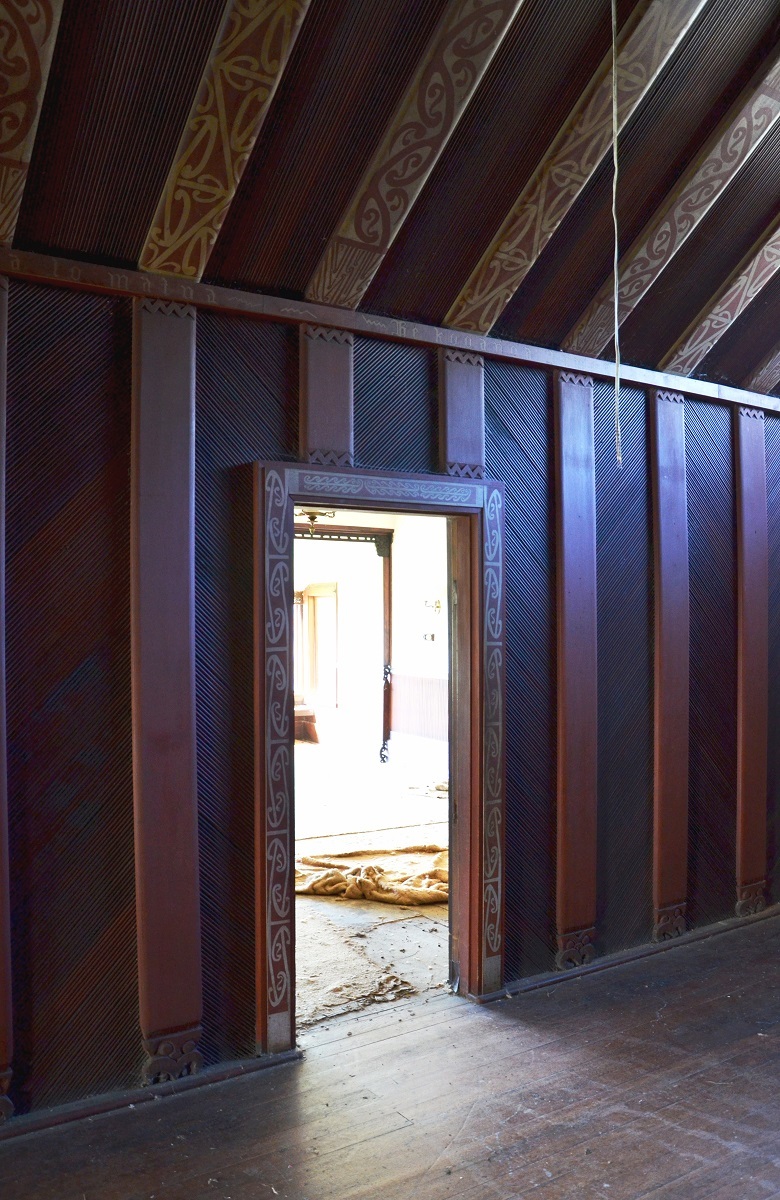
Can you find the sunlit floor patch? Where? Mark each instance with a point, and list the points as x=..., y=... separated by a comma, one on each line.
x=353, y=953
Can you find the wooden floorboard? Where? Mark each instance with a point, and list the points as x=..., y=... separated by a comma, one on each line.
x=657, y=1080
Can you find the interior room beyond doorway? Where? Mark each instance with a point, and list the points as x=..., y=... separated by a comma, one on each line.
x=371, y=758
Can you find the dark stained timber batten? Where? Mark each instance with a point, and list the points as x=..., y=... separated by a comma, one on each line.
x=246, y=408
x=43, y=268
x=395, y=407
x=69, y=703
x=712, y=812
x=625, y=672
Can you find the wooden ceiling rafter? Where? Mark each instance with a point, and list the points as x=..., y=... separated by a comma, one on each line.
x=738, y=136
x=570, y=162
x=29, y=32
x=239, y=81
x=766, y=376
x=739, y=291
x=458, y=54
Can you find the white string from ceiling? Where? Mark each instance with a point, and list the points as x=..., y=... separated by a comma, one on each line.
x=618, y=446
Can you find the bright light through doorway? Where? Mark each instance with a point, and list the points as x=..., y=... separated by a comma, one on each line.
x=371, y=759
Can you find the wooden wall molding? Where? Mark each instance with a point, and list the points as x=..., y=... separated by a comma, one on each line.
x=739, y=291
x=457, y=56
x=239, y=82
x=29, y=34
x=326, y=420
x=752, y=659
x=6, y=981
x=163, y=676
x=172, y=1056
x=749, y=121
x=462, y=414
x=570, y=162
x=44, y=268
x=577, y=668
x=672, y=638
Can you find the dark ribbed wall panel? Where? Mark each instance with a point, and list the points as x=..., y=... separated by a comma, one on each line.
x=69, y=696
x=773, y=504
x=625, y=673
x=519, y=452
x=713, y=679
x=395, y=406
x=247, y=409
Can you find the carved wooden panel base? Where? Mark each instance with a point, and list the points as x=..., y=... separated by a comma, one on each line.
x=6, y=1107
x=332, y=458
x=465, y=470
x=751, y=899
x=669, y=922
x=575, y=949
x=172, y=1056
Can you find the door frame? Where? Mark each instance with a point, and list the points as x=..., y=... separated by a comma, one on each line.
x=477, y=688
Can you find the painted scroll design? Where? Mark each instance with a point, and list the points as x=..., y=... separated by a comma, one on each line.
x=739, y=293
x=571, y=161
x=669, y=922
x=278, y=710
x=575, y=949
x=494, y=690
x=236, y=90
x=726, y=155
x=173, y=1056
x=28, y=30
x=390, y=489
x=751, y=899
x=457, y=58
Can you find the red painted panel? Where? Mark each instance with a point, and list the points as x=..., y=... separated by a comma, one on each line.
x=753, y=658
x=461, y=413
x=166, y=823
x=326, y=416
x=577, y=679
x=672, y=626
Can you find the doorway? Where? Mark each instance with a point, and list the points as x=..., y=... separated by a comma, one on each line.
x=372, y=819
x=475, y=512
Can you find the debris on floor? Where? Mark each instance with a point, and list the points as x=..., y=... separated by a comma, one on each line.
x=389, y=879
x=355, y=954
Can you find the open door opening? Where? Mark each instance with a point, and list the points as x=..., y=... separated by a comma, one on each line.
x=472, y=514
x=372, y=759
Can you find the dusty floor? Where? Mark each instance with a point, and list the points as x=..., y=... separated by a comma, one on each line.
x=354, y=954
x=351, y=954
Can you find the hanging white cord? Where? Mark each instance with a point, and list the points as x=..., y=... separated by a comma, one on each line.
x=618, y=447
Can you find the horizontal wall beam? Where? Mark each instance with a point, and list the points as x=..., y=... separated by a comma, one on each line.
x=44, y=268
